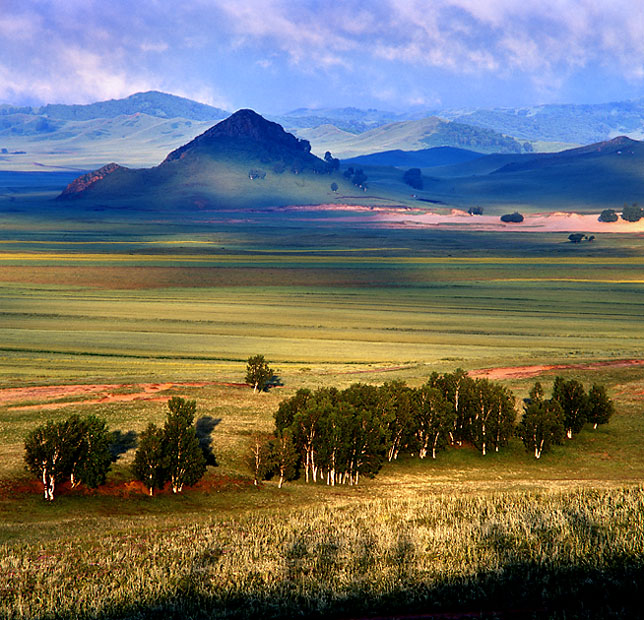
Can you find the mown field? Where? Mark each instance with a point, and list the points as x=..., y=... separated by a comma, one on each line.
x=328, y=303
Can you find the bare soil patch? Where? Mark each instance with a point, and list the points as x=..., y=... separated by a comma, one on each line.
x=103, y=393
x=523, y=372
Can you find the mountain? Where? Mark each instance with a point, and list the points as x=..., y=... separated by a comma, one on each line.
x=243, y=161
x=602, y=175
x=152, y=103
x=570, y=123
x=425, y=158
x=352, y=120
x=410, y=136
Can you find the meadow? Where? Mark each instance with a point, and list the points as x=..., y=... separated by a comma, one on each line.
x=329, y=301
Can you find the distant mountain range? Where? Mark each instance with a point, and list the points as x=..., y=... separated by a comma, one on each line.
x=141, y=129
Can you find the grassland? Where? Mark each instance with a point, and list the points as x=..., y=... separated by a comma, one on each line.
x=329, y=302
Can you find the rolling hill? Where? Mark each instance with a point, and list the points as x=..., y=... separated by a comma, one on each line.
x=425, y=158
x=410, y=136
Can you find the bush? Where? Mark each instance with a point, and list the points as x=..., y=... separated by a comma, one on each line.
x=608, y=215
x=632, y=213
x=515, y=217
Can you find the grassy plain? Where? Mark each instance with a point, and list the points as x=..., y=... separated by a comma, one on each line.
x=329, y=301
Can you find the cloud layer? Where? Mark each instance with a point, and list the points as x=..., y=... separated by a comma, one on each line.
x=276, y=54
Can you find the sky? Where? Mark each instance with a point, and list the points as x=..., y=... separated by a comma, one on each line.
x=277, y=55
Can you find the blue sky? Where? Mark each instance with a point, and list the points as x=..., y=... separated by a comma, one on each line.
x=276, y=55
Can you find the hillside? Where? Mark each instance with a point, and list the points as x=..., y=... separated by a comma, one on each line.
x=410, y=136
x=244, y=161
x=425, y=158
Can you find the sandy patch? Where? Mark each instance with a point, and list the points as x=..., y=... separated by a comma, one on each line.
x=522, y=372
x=104, y=393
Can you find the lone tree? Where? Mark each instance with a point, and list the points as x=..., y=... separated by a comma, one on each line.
x=184, y=456
x=258, y=373
x=608, y=215
x=150, y=463
x=632, y=213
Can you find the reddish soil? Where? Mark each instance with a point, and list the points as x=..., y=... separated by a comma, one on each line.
x=104, y=393
x=522, y=372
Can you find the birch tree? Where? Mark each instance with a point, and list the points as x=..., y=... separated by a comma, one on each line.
x=150, y=462
x=457, y=390
x=600, y=407
x=395, y=408
x=48, y=455
x=184, y=456
x=574, y=403
x=433, y=420
x=258, y=373
x=492, y=415
x=542, y=425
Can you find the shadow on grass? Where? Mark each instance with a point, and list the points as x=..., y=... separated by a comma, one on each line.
x=522, y=590
x=203, y=428
x=121, y=443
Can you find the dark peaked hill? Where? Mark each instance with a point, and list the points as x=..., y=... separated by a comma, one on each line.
x=243, y=161
x=246, y=133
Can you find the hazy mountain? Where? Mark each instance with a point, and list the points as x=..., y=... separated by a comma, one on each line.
x=243, y=161
x=425, y=158
x=152, y=103
x=580, y=124
x=410, y=136
x=352, y=120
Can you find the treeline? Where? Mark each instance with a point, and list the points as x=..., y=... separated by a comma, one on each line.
x=337, y=436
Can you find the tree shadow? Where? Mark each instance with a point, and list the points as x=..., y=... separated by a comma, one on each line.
x=121, y=443
x=203, y=428
x=274, y=381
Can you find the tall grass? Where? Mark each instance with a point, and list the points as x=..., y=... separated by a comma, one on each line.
x=570, y=554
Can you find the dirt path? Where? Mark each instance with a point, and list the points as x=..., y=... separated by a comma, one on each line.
x=522, y=372
x=103, y=393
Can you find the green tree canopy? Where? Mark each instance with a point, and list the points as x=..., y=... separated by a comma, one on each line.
x=600, y=406
x=184, y=457
x=150, y=462
x=258, y=372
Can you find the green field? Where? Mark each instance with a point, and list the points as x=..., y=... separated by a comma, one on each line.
x=329, y=301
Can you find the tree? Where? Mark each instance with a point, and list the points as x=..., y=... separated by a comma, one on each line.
x=49, y=454
x=332, y=163
x=184, y=457
x=413, y=178
x=334, y=187
x=572, y=398
x=92, y=456
x=433, y=420
x=608, y=215
x=515, y=217
x=78, y=449
x=456, y=387
x=542, y=425
x=395, y=409
x=492, y=420
x=284, y=457
x=359, y=178
x=150, y=462
x=258, y=373
x=259, y=456
x=599, y=406
x=632, y=213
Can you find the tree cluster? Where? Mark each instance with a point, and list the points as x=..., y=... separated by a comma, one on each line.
x=357, y=177
x=338, y=436
x=579, y=237
x=546, y=422
x=333, y=163
x=76, y=449
x=172, y=453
